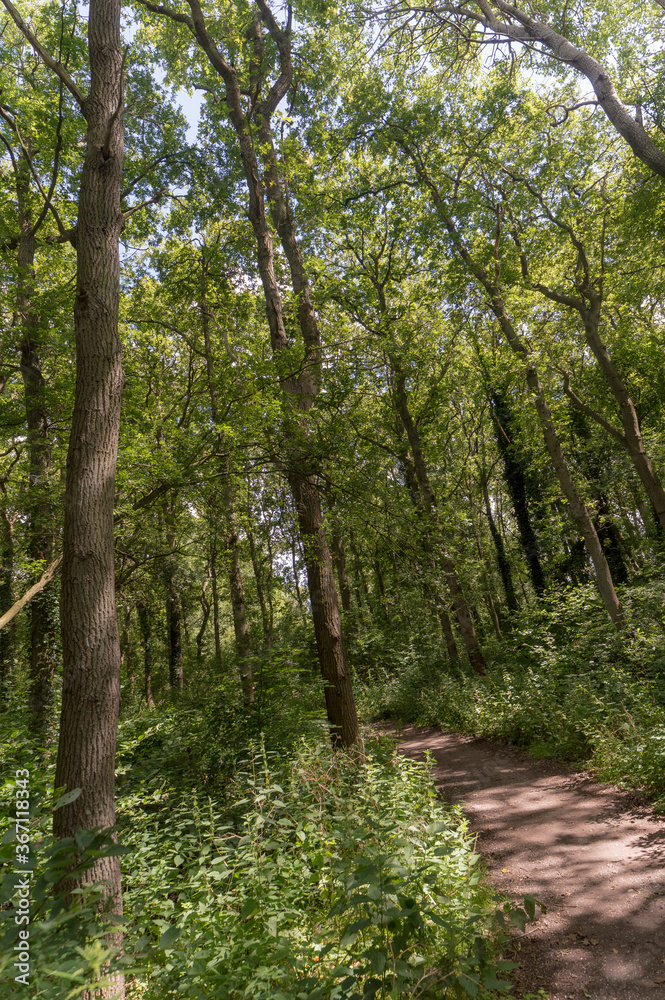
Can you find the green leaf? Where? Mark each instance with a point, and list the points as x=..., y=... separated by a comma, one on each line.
x=169, y=937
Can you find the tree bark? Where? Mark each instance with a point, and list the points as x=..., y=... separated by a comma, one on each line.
x=91, y=649
x=340, y=702
x=501, y=557
x=429, y=506
x=345, y=593
x=205, y=607
x=258, y=579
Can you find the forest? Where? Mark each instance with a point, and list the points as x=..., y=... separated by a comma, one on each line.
x=331, y=402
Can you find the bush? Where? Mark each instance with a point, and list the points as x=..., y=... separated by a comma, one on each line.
x=324, y=879
x=562, y=683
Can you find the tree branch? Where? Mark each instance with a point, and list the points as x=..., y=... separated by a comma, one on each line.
x=36, y=588
x=52, y=64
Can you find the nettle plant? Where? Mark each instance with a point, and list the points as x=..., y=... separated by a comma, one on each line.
x=71, y=947
x=324, y=879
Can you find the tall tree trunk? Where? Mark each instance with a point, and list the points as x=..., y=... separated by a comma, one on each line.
x=205, y=607
x=258, y=579
x=231, y=546
x=339, y=558
x=340, y=702
x=516, y=482
x=90, y=643
x=489, y=282
x=239, y=610
x=501, y=557
x=429, y=506
x=173, y=609
x=299, y=388
x=215, y=604
x=449, y=636
x=126, y=658
x=145, y=625
x=6, y=598
x=39, y=507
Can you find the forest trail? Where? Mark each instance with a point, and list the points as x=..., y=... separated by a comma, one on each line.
x=592, y=854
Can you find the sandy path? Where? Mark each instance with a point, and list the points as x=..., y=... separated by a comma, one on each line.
x=593, y=856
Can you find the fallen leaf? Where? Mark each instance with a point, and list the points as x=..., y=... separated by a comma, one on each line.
x=504, y=869
x=595, y=940
x=616, y=952
x=659, y=979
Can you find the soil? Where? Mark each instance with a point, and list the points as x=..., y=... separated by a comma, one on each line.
x=594, y=855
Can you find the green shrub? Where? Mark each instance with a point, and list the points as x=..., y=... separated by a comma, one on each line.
x=324, y=879
x=562, y=683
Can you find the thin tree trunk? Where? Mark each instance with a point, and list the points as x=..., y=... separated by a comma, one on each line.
x=240, y=625
x=39, y=508
x=501, y=557
x=490, y=284
x=294, y=567
x=145, y=625
x=517, y=488
x=126, y=658
x=91, y=648
x=173, y=609
x=265, y=615
x=339, y=558
x=205, y=607
x=231, y=547
x=215, y=606
x=448, y=635
x=429, y=506
x=6, y=599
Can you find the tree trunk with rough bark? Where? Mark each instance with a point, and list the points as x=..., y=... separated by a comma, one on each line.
x=91, y=648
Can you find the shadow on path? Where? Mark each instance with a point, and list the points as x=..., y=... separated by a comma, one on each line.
x=594, y=857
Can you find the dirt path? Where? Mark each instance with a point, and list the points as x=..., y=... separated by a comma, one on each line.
x=593, y=855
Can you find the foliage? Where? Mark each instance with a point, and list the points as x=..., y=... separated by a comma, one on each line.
x=320, y=878
x=568, y=686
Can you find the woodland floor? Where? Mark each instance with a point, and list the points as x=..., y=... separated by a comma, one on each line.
x=593, y=854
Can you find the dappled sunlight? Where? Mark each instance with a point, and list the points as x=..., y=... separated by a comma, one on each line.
x=590, y=854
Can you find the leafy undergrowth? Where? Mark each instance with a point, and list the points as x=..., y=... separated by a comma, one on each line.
x=258, y=870
x=563, y=683
x=322, y=878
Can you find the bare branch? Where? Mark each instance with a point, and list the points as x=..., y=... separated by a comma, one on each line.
x=36, y=588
